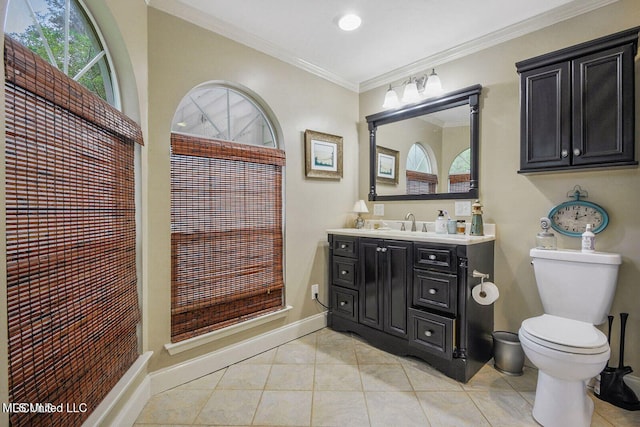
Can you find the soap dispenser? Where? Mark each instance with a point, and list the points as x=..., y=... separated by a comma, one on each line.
x=441, y=223
x=545, y=239
x=477, y=228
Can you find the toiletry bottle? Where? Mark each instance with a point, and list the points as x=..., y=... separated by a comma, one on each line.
x=451, y=226
x=588, y=240
x=441, y=223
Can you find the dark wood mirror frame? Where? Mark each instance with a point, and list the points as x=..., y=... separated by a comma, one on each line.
x=470, y=96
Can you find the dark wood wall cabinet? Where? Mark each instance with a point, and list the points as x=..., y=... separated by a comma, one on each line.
x=577, y=106
x=413, y=298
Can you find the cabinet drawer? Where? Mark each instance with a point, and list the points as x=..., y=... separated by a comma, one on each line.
x=346, y=246
x=435, y=290
x=344, y=271
x=344, y=303
x=438, y=258
x=431, y=333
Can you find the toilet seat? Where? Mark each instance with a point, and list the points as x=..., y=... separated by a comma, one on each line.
x=565, y=335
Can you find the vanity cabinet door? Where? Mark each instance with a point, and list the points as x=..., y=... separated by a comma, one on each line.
x=370, y=283
x=384, y=278
x=396, y=285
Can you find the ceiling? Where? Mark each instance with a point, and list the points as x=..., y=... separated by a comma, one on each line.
x=397, y=37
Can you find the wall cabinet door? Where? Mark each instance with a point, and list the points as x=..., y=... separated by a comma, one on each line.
x=577, y=106
x=545, y=117
x=603, y=98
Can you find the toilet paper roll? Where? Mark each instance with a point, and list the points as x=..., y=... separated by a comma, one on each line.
x=486, y=293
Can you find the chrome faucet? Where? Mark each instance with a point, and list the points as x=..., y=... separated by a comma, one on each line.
x=413, y=220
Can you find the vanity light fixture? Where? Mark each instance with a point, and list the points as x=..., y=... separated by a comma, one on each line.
x=360, y=207
x=415, y=89
x=349, y=22
x=433, y=85
x=391, y=99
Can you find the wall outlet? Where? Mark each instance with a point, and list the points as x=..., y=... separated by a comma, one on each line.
x=314, y=291
x=378, y=210
x=463, y=208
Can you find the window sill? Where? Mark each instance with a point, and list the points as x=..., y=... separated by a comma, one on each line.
x=179, y=347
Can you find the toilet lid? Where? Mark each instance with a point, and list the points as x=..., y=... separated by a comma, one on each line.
x=563, y=334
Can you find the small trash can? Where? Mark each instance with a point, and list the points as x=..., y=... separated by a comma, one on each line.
x=508, y=356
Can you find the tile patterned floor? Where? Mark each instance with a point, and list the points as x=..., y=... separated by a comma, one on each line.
x=333, y=379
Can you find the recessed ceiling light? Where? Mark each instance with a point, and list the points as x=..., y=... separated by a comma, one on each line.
x=349, y=22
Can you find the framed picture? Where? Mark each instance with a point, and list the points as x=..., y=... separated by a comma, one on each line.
x=387, y=165
x=323, y=154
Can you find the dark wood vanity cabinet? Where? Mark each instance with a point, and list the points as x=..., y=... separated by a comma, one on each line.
x=413, y=298
x=577, y=106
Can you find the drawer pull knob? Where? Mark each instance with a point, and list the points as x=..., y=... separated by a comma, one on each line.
x=432, y=257
x=343, y=303
x=433, y=291
x=343, y=272
x=428, y=332
x=343, y=246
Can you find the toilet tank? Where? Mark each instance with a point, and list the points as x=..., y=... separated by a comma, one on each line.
x=576, y=285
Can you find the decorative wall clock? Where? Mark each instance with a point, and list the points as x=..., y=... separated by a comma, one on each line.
x=571, y=218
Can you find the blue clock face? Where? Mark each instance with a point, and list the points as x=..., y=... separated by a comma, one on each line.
x=571, y=218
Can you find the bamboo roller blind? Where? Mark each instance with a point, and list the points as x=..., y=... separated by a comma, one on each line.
x=71, y=261
x=459, y=183
x=226, y=233
x=421, y=182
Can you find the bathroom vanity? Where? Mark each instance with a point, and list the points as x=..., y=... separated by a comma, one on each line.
x=409, y=293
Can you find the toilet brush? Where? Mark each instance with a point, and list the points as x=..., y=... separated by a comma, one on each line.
x=612, y=386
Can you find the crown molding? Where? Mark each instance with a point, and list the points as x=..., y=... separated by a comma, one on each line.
x=208, y=22
x=211, y=23
x=530, y=25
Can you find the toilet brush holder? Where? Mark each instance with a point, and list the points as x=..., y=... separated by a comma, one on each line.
x=612, y=387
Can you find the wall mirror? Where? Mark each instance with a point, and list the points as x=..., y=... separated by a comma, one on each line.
x=427, y=150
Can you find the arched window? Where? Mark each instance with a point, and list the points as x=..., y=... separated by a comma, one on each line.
x=219, y=111
x=226, y=211
x=62, y=33
x=459, y=172
x=421, y=178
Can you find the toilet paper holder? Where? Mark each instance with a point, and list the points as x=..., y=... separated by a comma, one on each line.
x=482, y=276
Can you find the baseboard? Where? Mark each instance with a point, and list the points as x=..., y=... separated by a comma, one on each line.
x=634, y=383
x=165, y=379
x=182, y=373
x=129, y=393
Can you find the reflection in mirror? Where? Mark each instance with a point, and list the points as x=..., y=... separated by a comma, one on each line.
x=422, y=177
x=459, y=176
x=437, y=140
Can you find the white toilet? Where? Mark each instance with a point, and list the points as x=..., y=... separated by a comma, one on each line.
x=576, y=289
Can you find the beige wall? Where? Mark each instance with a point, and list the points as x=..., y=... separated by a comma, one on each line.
x=515, y=202
x=160, y=58
x=182, y=56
